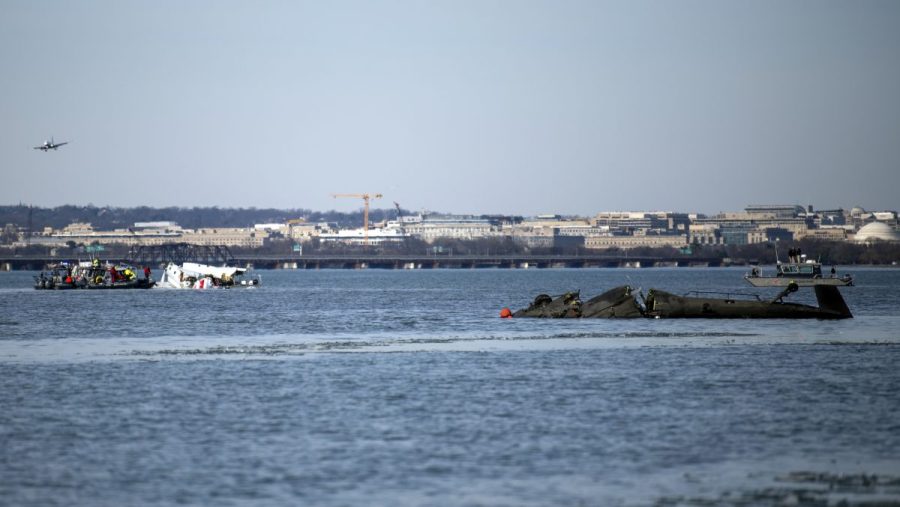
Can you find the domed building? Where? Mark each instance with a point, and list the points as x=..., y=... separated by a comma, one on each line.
x=876, y=231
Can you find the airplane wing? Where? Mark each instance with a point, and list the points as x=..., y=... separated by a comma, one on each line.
x=57, y=145
x=40, y=147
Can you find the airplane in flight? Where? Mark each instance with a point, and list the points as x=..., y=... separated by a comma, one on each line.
x=50, y=145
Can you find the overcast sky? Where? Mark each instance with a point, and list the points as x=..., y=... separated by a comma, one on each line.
x=472, y=107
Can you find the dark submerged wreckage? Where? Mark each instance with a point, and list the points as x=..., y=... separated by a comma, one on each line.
x=622, y=302
x=619, y=302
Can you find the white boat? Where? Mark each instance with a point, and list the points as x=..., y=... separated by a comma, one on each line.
x=192, y=275
x=806, y=273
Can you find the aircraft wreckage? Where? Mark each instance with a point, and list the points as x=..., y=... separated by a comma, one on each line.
x=623, y=302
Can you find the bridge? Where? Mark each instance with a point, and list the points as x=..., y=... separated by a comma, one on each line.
x=468, y=261
x=220, y=256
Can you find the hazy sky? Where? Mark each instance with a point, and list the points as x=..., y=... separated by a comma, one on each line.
x=472, y=107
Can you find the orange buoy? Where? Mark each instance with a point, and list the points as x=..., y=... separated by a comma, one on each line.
x=505, y=313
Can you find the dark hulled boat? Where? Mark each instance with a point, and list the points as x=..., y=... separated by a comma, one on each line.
x=90, y=275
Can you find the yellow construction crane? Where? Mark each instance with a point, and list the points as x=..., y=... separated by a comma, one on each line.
x=365, y=198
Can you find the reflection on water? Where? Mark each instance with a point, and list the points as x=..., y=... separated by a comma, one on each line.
x=405, y=388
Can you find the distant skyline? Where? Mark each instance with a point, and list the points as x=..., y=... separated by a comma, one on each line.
x=470, y=107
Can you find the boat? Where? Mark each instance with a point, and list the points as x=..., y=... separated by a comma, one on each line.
x=92, y=275
x=192, y=275
x=800, y=270
x=622, y=302
x=55, y=278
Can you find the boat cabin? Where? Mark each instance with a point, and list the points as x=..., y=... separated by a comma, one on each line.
x=805, y=270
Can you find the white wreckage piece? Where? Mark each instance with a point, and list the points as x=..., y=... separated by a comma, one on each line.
x=192, y=275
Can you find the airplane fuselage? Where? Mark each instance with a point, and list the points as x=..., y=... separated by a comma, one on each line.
x=50, y=145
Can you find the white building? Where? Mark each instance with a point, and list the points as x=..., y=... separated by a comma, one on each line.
x=627, y=242
x=153, y=233
x=876, y=231
x=432, y=227
x=388, y=234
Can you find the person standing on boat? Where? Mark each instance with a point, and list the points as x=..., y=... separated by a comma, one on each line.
x=147, y=272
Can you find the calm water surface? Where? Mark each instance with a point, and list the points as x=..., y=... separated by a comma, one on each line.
x=405, y=388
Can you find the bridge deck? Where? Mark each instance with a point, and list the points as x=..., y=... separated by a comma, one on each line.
x=37, y=262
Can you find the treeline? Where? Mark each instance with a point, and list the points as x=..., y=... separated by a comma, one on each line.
x=106, y=218
x=827, y=252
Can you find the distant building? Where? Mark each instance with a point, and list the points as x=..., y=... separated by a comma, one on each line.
x=704, y=234
x=305, y=231
x=758, y=224
x=546, y=231
x=626, y=242
x=888, y=217
x=876, y=231
x=275, y=227
x=152, y=233
x=226, y=236
x=156, y=225
x=629, y=222
x=741, y=234
x=859, y=217
x=432, y=227
x=623, y=221
x=778, y=211
x=389, y=234
x=829, y=233
x=823, y=218
x=620, y=229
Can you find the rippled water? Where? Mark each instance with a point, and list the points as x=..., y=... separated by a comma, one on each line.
x=405, y=388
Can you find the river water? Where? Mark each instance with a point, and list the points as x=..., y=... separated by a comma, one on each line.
x=401, y=388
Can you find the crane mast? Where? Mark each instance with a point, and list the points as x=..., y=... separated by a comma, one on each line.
x=400, y=218
x=365, y=198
